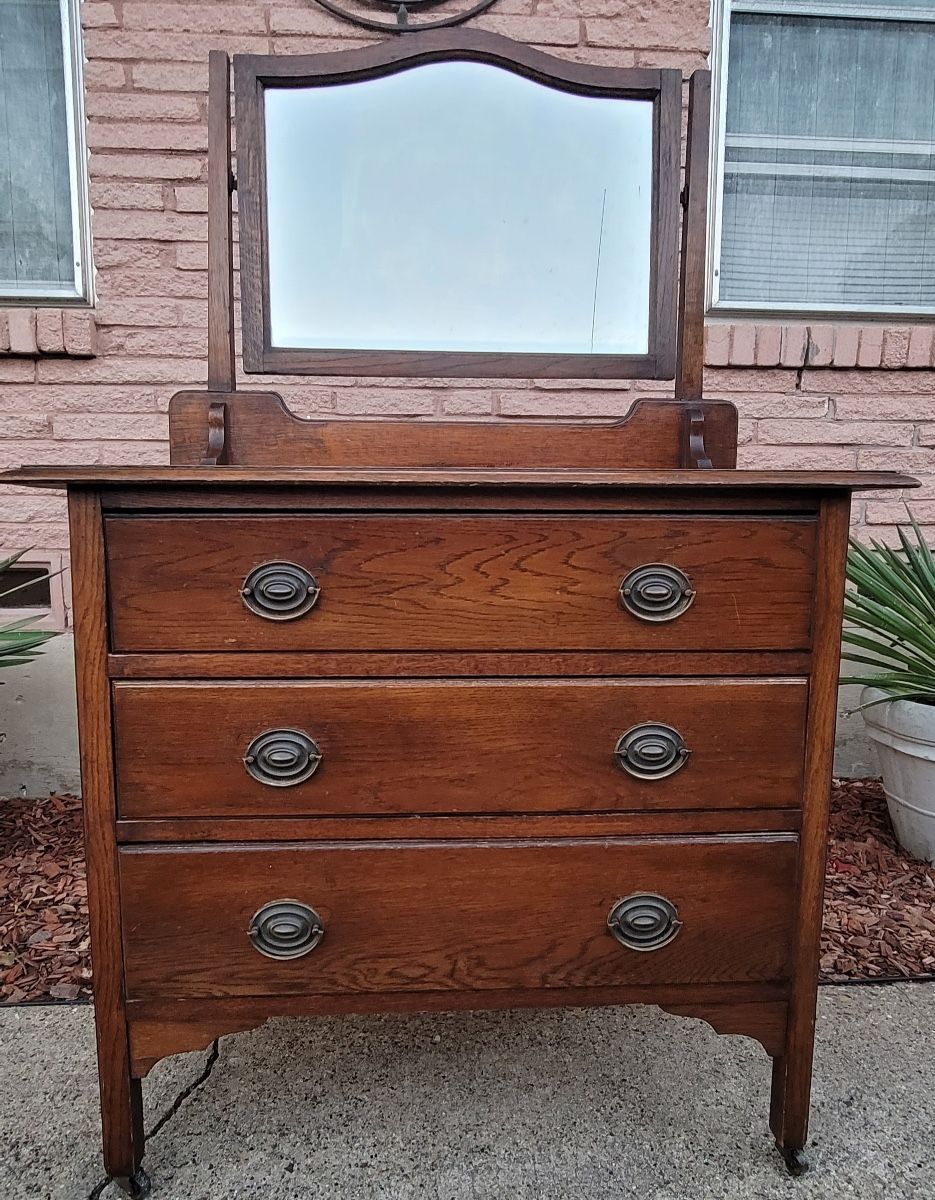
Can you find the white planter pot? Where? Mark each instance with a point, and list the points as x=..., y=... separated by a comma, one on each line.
x=904, y=735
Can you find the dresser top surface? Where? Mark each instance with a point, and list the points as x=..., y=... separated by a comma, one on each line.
x=290, y=477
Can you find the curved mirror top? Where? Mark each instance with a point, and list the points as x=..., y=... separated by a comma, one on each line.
x=457, y=206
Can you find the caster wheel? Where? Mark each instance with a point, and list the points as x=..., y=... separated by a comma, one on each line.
x=796, y=1160
x=137, y=1185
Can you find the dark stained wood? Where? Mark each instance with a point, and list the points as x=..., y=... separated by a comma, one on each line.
x=793, y=1070
x=691, y=483
x=694, y=451
x=230, y=500
x=437, y=364
x=462, y=498
x=513, y=746
x=255, y=1009
x=121, y=1102
x=422, y=664
x=222, y=370
x=261, y=431
x=764, y=1021
x=664, y=271
x=689, y=377
x=435, y=916
x=215, y=450
x=152, y=1040
x=259, y=828
x=194, y=1024
x=465, y=44
x=252, y=73
x=456, y=583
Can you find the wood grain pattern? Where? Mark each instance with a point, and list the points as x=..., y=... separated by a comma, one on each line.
x=261, y=431
x=255, y=1009
x=188, y=1025
x=261, y=828
x=664, y=236
x=763, y=1021
x=456, y=498
x=793, y=1070
x=689, y=377
x=441, y=583
x=208, y=482
x=222, y=367
x=442, y=916
x=121, y=1100
x=152, y=1040
x=456, y=747
x=474, y=665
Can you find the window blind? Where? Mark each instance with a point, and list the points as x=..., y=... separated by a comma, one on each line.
x=829, y=157
x=37, y=253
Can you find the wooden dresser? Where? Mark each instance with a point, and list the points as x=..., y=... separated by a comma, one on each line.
x=391, y=716
x=376, y=740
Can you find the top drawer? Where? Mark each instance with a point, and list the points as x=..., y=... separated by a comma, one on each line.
x=453, y=582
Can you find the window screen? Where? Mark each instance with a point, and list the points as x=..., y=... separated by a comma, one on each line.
x=828, y=198
x=39, y=251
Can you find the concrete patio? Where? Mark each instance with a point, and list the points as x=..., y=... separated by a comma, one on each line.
x=549, y=1105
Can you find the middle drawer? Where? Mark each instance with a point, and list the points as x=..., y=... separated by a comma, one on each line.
x=451, y=746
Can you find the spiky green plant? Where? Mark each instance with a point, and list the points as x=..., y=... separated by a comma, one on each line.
x=19, y=643
x=890, y=617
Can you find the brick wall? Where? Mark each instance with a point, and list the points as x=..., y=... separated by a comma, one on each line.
x=93, y=387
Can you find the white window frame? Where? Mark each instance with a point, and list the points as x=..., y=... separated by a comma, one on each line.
x=721, y=11
x=81, y=293
x=55, y=616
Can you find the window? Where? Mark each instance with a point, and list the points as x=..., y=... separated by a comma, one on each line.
x=44, y=238
x=26, y=587
x=33, y=587
x=825, y=157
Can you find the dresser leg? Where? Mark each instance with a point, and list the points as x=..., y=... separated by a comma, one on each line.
x=788, y=1112
x=137, y=1186
x=122, y=1127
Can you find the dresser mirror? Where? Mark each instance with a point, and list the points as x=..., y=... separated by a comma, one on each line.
x=457, y=213
x=458, y=206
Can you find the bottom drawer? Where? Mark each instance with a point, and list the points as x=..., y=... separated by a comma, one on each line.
x=461, y=916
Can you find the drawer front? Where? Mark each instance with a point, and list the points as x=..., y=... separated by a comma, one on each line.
x=461, y=916
x=331, y=747
x=459, y=583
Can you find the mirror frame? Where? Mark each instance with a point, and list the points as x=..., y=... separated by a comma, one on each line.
x=663, y=87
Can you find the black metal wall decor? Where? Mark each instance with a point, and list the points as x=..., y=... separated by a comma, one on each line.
x=399, y=13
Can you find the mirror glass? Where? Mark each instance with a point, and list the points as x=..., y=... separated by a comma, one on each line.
x=457, y=206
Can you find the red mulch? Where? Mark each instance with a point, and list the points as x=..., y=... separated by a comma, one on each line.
x=44, y=945
x=879, y=905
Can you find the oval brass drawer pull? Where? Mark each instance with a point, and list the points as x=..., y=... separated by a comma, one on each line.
x=280, y=591
x=651, y=750
x=656, y=592
x=644, y=921
x=286, y=929
x=282, y=757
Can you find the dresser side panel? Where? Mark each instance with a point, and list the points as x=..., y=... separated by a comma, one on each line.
x=793, y=1071
x=121, y=1112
